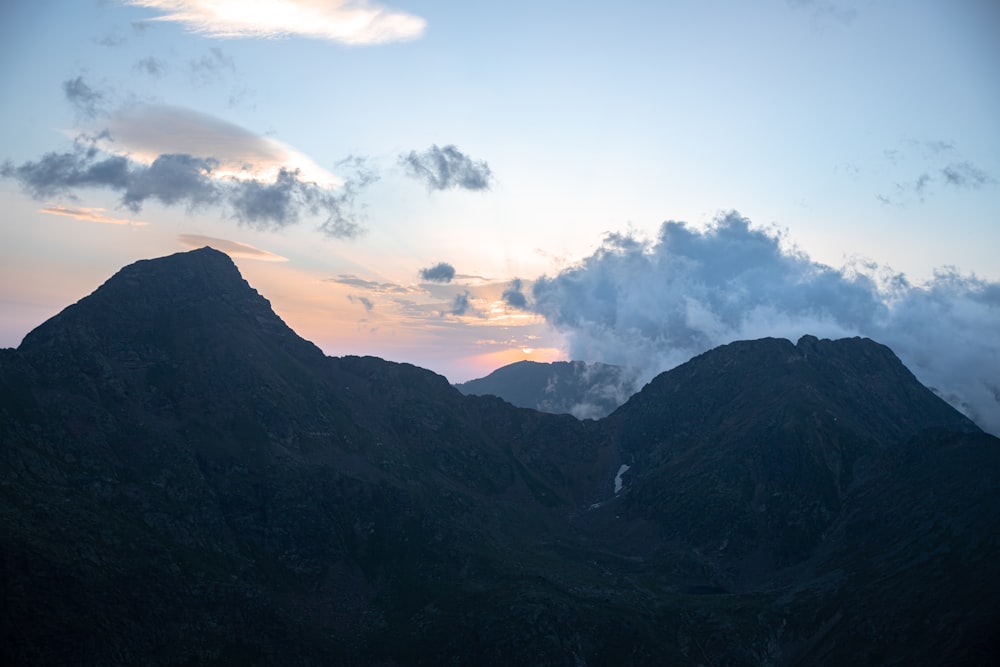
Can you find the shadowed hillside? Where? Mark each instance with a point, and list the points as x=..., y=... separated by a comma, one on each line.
x=185, y=480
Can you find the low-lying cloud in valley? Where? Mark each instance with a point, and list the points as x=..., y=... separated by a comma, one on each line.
x=655, y=304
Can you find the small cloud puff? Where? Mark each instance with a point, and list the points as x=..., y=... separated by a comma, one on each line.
x=446, y=168
x=441, y=272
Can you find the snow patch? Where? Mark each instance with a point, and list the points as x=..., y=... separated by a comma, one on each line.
x=622, y=469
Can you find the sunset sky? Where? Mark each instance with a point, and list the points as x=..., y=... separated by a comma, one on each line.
x=462, y=185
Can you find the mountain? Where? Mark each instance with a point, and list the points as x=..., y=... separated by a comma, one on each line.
x=185, y=480
x=584, y=390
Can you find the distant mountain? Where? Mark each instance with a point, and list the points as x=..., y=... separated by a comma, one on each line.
x=584, y=390
x=185, y=480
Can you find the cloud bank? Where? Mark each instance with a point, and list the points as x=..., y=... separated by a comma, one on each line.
x=653, y=305
x=354, y=22
x=446, y=168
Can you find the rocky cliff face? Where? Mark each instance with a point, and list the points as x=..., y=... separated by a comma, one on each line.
x=183, y=479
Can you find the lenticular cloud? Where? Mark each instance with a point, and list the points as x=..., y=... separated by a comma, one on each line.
x=653, y=305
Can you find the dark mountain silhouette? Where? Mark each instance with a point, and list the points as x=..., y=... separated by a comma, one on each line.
x=584, y=390
x=185, y=480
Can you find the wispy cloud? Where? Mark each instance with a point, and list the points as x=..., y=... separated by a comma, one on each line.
x=94, y=214
x=966, y=175
x=446, y=168
x=368, y=304
x=654, y=304
x=89, y=102
x=939, y=163
x=370, y=285
x=441, y=272
x=212, y=67
x=355, y=22
x=154, y=67
x=231, y=248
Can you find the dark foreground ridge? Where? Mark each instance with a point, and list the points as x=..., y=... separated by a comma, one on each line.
x=184, y=480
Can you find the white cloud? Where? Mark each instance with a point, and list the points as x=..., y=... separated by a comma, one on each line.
x=653, y=305
x=346, y=21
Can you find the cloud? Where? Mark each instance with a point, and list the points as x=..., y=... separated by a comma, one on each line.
x=461, y=304
x=147, y=131
x=363, y=300
x=152, y=66
x=931, y=156
x=966, y=175
x=176, y=179
x=655, y=304
x=90, y=215
x=445, y=168
x=212, y=67
x=88, y=101
x=513, y=296
x=370, y=285
x=353, y=22
x=441, y=272
x=231, y=248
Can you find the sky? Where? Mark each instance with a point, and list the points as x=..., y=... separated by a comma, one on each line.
x=464, y=185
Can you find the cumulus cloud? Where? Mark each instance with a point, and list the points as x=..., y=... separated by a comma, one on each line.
x=513, y=295
x=655, y=304
x=231, y=248
x=442, y=272
x=346, y=21
x=90, y=214
x=446, y=168
x=182, y=179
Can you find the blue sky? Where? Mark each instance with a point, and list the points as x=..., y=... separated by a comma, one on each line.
x=512, y=141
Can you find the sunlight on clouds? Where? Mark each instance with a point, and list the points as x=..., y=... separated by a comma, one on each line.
x=143, y=133
x=93, y=214
x=231, y=248
x=354, y=22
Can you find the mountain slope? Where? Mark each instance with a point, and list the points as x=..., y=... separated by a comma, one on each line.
x=183, y=479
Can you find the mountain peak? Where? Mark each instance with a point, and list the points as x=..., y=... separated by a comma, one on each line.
x=188, y=298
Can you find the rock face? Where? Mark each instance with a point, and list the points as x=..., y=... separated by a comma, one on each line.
x=584, y=390
x=185, y=480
